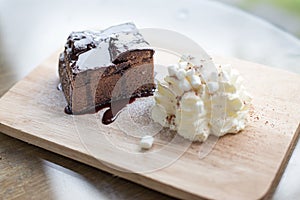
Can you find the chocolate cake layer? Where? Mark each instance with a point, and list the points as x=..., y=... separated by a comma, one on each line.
x=98, y=67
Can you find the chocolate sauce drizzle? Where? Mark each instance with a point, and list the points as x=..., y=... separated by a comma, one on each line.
x=68, y=110
x=114, y=108
x=112, y=113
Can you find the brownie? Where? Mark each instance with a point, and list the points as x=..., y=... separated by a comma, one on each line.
x=98, y=67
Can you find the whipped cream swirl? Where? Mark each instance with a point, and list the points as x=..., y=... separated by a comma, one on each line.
x=195, y=107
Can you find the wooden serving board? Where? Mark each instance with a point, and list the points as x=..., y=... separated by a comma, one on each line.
x=243, y=166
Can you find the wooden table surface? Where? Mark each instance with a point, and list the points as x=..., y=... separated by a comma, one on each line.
x=28, y=172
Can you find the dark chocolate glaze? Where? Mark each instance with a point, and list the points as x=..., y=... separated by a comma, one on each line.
x=111, y=44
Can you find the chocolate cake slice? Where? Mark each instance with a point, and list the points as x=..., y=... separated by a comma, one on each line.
x=98, y=67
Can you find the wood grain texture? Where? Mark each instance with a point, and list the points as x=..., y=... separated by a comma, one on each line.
x=243, y=166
